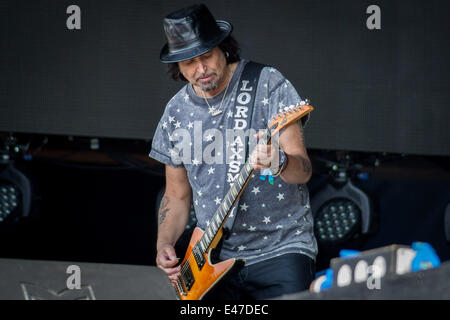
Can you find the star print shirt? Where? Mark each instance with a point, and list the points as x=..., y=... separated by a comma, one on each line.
x=270, y=219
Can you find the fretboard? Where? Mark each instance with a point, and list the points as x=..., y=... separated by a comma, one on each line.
x=224, y=209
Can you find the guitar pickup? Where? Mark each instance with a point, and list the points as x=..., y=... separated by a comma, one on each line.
x=180, y=288
x=187, y=277
x=199, y=258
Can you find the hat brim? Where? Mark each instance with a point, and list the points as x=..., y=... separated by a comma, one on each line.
x=167, y=57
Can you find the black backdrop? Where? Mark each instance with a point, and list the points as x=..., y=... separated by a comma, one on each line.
x=374, y=90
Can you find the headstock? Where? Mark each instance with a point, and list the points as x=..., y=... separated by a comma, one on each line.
x=290, y=115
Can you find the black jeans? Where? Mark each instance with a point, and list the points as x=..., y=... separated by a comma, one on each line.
x=271, y=278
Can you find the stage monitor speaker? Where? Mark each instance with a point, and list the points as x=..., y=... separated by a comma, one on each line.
x=58, y=280
x=431, y=284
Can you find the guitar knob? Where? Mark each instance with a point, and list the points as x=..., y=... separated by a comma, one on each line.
x=307, y=101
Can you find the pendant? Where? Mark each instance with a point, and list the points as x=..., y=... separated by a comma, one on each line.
x=216, y=112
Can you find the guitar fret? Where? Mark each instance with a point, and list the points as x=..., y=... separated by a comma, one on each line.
x=218, y=219
x=219, y=215
x=241, y=181
x=210, y=233
x=236, y=184
x=202, y=245
x=229, y=202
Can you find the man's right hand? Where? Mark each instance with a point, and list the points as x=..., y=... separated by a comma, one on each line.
x=173, y=216
x=166, y=259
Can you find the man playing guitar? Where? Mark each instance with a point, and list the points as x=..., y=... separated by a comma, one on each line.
x=272, y=230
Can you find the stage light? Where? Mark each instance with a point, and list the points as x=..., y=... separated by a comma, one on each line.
x=9, y=195
x=341, y=212
x=15, y=192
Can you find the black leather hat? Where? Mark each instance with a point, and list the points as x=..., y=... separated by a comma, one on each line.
x=190, y=32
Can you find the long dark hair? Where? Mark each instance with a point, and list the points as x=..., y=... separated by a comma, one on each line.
x=229, y=45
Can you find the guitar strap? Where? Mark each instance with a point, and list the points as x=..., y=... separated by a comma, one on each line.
x=245, y=98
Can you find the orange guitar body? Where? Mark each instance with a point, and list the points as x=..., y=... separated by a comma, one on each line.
x=209, y=274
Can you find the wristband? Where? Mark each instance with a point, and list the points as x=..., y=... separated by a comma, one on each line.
x=283, y=162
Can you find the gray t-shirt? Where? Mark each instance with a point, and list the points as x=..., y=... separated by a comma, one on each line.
x=270, y=219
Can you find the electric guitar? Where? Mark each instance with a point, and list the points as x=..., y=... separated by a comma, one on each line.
x=198, y=274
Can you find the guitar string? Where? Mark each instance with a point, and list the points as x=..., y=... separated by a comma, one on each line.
x=186, y=265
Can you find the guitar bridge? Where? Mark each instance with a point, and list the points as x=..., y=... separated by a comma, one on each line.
x=187, y=276
x=179, y=288
x=199, y=258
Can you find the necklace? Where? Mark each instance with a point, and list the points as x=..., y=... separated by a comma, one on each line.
x=215, y=112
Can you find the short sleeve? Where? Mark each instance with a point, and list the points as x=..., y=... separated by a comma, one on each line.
x=163, y=148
